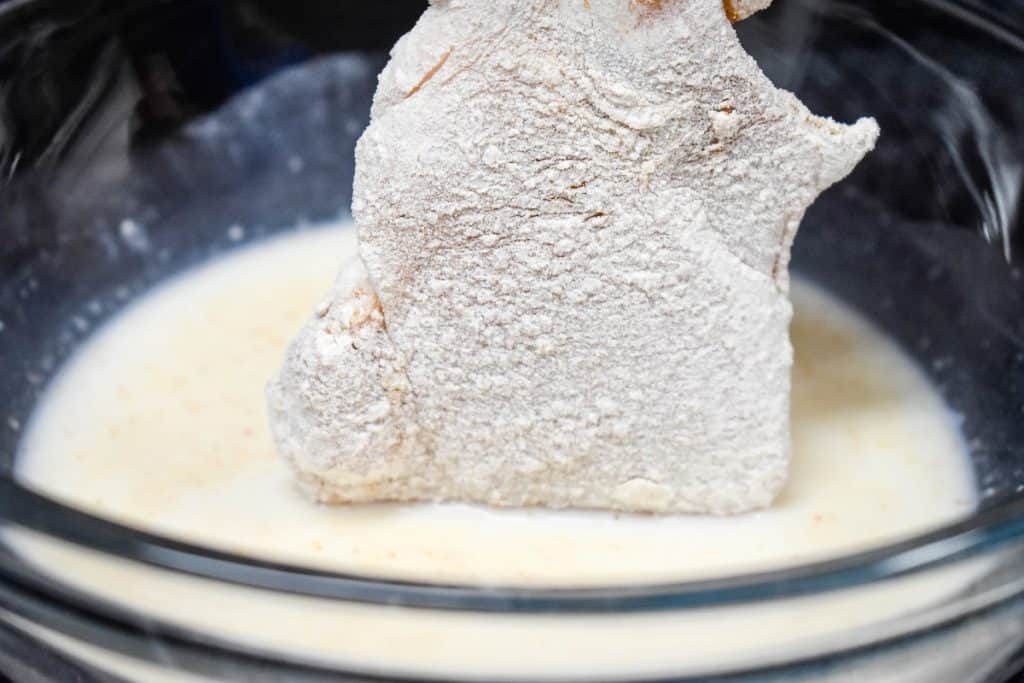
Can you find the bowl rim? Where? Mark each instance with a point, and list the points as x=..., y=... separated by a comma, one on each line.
x=985, y=531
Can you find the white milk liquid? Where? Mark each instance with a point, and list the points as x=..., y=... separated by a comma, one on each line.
x=159, y=422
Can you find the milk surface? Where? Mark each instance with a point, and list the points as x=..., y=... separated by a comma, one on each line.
x=159, y=422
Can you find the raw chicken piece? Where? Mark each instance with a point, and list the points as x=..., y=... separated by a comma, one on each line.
x=575, y=220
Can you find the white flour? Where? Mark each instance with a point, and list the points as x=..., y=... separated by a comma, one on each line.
x=575, y=221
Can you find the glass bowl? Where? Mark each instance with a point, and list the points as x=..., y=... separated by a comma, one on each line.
x=189, y=116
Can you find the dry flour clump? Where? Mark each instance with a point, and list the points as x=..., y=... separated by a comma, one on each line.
x=575, y=219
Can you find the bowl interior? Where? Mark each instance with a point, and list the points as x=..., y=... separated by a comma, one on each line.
x=187, y=118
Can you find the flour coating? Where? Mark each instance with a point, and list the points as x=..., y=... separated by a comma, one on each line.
x=575, y=222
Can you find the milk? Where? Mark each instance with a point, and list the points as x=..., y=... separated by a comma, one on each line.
x=159, y=422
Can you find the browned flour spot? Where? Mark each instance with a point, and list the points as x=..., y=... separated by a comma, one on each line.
x=647, y=4
x=731, y=11
x=430, y=74
x=655, y=5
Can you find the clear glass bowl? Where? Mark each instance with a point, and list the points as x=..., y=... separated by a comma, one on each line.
x=188, y=114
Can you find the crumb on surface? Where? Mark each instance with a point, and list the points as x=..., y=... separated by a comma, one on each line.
x=429, y=74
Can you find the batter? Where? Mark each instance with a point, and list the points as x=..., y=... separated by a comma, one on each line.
x=160, y=423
